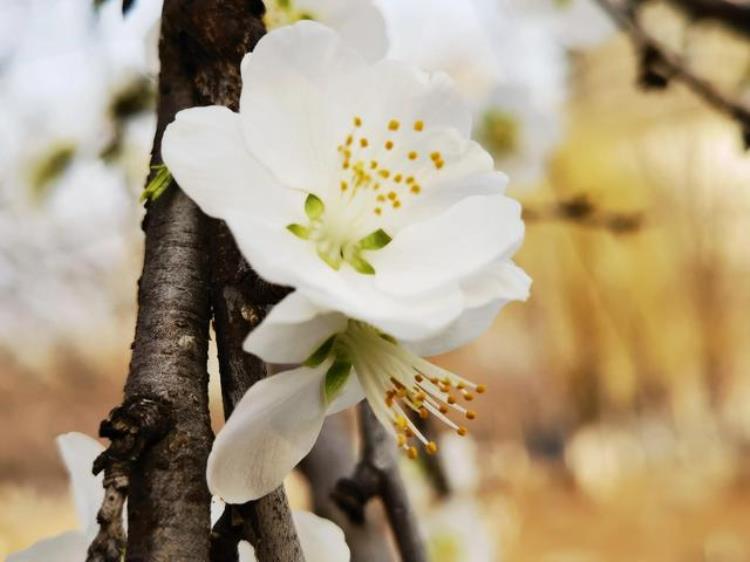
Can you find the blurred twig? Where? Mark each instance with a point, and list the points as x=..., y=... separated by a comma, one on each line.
x=660, y=66
x=735, y=14
x=580, y=210
x=377, y=474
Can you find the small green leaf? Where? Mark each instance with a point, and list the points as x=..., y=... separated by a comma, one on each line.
x=320, y=354
x=314, y=207
x=361, y=265
x=375, y=240
x=336, y=377
x=299, y=231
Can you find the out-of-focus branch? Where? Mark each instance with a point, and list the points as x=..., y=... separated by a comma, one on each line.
x=580, y=210
x=377, y=475
x=732, y=13
x=661, y=65
x=332, y=458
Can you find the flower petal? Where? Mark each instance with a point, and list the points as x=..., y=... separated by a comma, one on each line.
x=272, y=428
x=289, y=115
x=246, y=552
x=484, y=294
x=321, y=539
x=79, y=452
x=293, y=330
x=66, y=547
x=452, y=246
x=206, y=153
x=359, y=22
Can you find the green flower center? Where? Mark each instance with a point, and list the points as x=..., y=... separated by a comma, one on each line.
x=500, y=132
x=283, y=12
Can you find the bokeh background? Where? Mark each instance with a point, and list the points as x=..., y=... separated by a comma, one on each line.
x=616, y=424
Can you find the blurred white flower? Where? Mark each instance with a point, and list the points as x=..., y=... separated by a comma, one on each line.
x=457, y=532
x=78, y=452
x=356, y=189
x=511, y=69
x=576, y=24
x=459, y=461
x=359, y=22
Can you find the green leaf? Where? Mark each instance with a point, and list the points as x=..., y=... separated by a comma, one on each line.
x=361, y=265
x=314, y=207
x=320, y=354
x=299, y=231
x=336, y=377
x=375, y=240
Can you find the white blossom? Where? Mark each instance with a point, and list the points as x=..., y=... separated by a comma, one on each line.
x=356, y=184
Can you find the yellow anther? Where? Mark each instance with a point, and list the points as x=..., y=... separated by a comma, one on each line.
x=397, y=178
x=389, y=145
x=418, y=378
x=373, y=164
x=344, y=186
x=423, y=413
x=468, y=396
x=400, y=421
x=412, y=452
x=435, y=156
x=385, y=174
x=443, y=409
x=349, y=140
x=357, y=121
x=401, y=439
x=381, y=198
x=392, y=195
x=415, y=189
x=431, y=448
x=460, y=386
x=470, y=414
x=401, y=393
x=412, y=155
x=393, y=125
x=418, y=125
x=481, y=389
x=378, y=211
x=462, y=431
x=410, y=180
x=363, y=142
x=439, y=164
x=396, y=204
x=376, y=185
x=451, y=399
x=409, y=433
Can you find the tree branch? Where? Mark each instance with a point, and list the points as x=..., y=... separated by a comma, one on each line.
x=377, y=475
x=661, y=65
x=734, y=14
x=331, y=458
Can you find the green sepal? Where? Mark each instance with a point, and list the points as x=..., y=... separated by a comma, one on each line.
x=158, y=185
x=389, y=338
x=336, y=378
x=299, y=231
x=320, y=354
x=361, y=265
x=314, y=207
x=334, y=262
x=375, y=240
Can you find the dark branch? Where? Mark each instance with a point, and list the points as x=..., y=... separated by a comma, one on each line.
x=662, y=65
x=732, y=13
x=579, y=209
x=332, y=458
x=377, y=475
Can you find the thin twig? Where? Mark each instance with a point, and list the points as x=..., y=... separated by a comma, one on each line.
x=377, y=474
x=733, y=14
x=672, y=66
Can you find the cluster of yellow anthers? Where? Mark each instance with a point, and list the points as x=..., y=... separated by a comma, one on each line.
x=428, y=395
x=364, y=165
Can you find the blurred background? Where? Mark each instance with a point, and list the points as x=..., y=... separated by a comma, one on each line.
x=616, y=426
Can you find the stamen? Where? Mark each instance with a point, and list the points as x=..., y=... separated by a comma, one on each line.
x=419, y=126
x=393, y=125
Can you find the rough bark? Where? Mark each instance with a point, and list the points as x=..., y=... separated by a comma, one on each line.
x=240, y=300
x=332, y=458
x=377, y=475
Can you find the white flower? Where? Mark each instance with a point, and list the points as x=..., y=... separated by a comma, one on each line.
x=359, y=22
x=355, y=184
x=78, y=452
x=511, y=68
x=321, y=540
x=457, y=532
